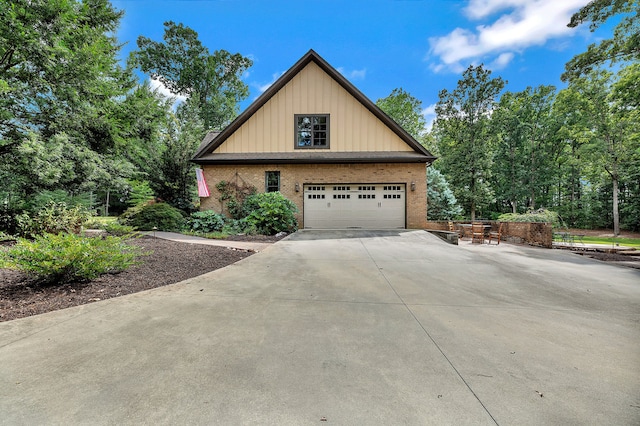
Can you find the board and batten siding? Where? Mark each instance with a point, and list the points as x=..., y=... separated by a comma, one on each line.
x=352, y=127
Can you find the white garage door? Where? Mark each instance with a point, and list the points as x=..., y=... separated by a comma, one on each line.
x=366, y=206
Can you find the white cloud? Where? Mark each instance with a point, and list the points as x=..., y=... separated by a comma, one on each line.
x=162, y=89
x=523, y=23
x=429, y=114
x=502, y=61
x=354, y=74
x=481, y=8
x=264, y=86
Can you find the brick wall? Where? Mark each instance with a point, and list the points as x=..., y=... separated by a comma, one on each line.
x=532, y=233
x=290, y=174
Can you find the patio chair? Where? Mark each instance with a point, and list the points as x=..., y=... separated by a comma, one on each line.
x=459, y=231
x=495, y=235
x=477, y=232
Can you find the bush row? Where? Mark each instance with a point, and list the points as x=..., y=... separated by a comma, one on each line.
x=55, y=253
x=264, y=213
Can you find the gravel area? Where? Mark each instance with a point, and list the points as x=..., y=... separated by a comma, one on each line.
x=168, y=262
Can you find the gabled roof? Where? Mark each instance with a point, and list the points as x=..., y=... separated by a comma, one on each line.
x=214, y=139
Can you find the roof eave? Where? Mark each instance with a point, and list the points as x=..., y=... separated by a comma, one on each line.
x=256, y=161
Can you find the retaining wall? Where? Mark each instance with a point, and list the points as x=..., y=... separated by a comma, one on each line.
x=532, y=233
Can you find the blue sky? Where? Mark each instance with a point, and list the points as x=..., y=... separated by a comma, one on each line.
x=421, y=46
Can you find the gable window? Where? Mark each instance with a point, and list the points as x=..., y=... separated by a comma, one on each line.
x=271, y=181
x=312, y=131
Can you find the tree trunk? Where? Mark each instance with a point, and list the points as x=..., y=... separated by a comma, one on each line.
x=616, y=213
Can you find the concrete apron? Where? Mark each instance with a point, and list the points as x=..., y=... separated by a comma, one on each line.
x=346, y=327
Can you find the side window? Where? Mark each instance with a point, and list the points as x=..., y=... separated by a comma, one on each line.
x=312, y=131
x=271, y=181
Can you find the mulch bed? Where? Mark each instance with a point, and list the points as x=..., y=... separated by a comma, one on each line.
x=629, y=261
x=168, y=262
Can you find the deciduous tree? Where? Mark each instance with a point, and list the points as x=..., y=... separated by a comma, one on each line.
x=187, y=68
x=463, y=136
x=623, y=46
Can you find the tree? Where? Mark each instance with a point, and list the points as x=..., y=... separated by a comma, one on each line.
x=405, y=110
x=71, y=118
x=571, y=199
x=611, y=130
x=623, y=46
x=463, y=136
x=187, y=68
x=440, y=199
x=57, y=60
x=173, y=177
x=141, y=118
x=60, y=82
x=525, y=125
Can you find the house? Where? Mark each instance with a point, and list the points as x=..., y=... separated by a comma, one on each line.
x=318, y=140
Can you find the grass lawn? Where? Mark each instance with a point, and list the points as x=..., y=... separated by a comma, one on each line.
x=626, y=242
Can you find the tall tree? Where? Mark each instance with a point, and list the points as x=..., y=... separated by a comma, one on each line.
x=58, y=61
x=569, y=191
x=71, y=118
x=611, y=131
x=187, y=68
x=405, y=110
x=60, y=81
x=463, y=136
x=623, y=46
x=173, y=177
x=442, y=204
x=525, y=126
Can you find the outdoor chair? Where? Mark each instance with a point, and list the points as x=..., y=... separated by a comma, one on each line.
x=477, y=232
x=452, y=228
x=495, y=235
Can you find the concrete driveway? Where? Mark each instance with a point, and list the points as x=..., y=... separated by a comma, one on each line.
x=344, y=328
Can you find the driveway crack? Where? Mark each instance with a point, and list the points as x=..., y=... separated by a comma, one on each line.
x=426, y=332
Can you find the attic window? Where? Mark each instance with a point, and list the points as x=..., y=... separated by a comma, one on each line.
x=312, y=131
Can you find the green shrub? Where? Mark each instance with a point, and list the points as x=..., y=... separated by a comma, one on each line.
x=69, y=257
x=540, y=215
x=5, y=237
x=140, y=193
x=99, y=222
x=118, y=230
x=237, y=226
x=270, y=213
x=8, y=219
x=159, y=215
x=206, y=221
x=53, y=218
x=235, y=196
